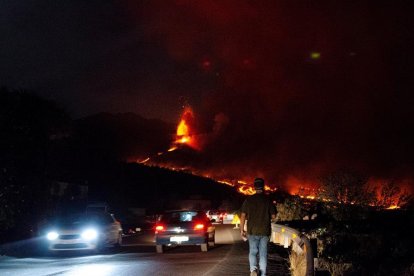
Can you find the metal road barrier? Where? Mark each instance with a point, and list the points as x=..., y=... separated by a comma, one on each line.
x=286, y=236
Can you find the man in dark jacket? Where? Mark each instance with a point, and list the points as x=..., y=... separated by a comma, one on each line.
x=259, y=211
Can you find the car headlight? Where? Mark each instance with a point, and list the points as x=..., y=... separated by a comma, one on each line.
x=89, y=234
x=52, y=235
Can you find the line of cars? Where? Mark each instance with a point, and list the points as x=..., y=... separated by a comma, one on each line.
x=96, y=230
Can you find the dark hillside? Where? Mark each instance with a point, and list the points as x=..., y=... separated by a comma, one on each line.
x=131, y=184
x=123, y=135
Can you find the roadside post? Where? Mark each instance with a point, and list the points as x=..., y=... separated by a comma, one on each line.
x=289, y=237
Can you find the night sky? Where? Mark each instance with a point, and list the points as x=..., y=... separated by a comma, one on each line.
x=279, y=89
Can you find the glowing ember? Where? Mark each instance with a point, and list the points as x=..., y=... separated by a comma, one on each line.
x=270, y=189
x=144, y=161
x=247, y=190
x=183, y=140
x=243, y=187
x=392, y=207
x=226, y=182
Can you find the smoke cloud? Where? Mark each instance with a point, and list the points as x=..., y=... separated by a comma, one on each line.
x=285, y=90
x=300, y=89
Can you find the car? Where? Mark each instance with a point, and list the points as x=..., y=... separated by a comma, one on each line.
x=139, y=230
x=184, y=227
x=83, y=231
x=228, y=217
x=220, y=216
x=215, y=216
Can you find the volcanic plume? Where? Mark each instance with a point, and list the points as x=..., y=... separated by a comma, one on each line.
x=294, y=90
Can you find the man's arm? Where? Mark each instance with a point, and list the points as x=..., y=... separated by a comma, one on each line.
x=242, y=222
x=273, y=211
x=273, y=218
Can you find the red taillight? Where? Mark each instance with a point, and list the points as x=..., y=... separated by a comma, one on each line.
x=199, y=226
x=159, y=228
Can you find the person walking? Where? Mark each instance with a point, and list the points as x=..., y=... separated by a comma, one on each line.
x=258, y=211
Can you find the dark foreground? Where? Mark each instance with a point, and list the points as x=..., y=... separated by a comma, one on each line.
x=229, y=257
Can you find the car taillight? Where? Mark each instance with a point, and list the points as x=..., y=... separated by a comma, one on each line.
x=159, y=228
x=199, y=226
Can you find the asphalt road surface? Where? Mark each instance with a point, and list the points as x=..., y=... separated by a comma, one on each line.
x=138, y=257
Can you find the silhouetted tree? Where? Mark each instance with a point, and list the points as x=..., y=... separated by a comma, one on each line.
x=391, y=194
x=348, y=195
x=347, y=188
x=28, y=126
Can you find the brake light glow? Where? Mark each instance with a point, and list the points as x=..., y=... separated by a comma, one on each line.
x=159, y=228
x=199, y=226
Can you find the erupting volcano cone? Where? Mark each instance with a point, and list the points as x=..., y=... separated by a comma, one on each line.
x=185, y=130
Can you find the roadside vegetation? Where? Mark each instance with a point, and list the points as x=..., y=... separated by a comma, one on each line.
x=355, y=233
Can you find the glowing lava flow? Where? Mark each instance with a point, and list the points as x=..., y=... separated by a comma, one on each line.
x=243, y=187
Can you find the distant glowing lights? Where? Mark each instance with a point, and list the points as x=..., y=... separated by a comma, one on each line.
x=315, y=55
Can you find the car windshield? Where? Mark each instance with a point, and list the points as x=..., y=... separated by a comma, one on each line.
x=215, y=212
x=82, y=218
x=181, y=216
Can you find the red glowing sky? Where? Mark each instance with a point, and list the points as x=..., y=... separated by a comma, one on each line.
x=278, y=88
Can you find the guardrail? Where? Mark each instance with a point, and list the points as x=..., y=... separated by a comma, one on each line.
x=286, y=236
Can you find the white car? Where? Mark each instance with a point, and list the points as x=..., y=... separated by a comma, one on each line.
x=85, y=231
x=228, y=218
x=215, y=216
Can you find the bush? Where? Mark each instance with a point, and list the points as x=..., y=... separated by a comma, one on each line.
x=379, y=245
x=290, y=209
x=297, y=263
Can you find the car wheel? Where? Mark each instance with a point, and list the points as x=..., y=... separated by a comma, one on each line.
x=119, y=241
x=204, y=247
x=159, y=248
x=100, y=249
x=116, y=247
x=211, y=240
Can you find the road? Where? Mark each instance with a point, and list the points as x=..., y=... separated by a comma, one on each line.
x=138, y=257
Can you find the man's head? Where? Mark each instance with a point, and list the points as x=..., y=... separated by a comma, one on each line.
x=259, y=184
